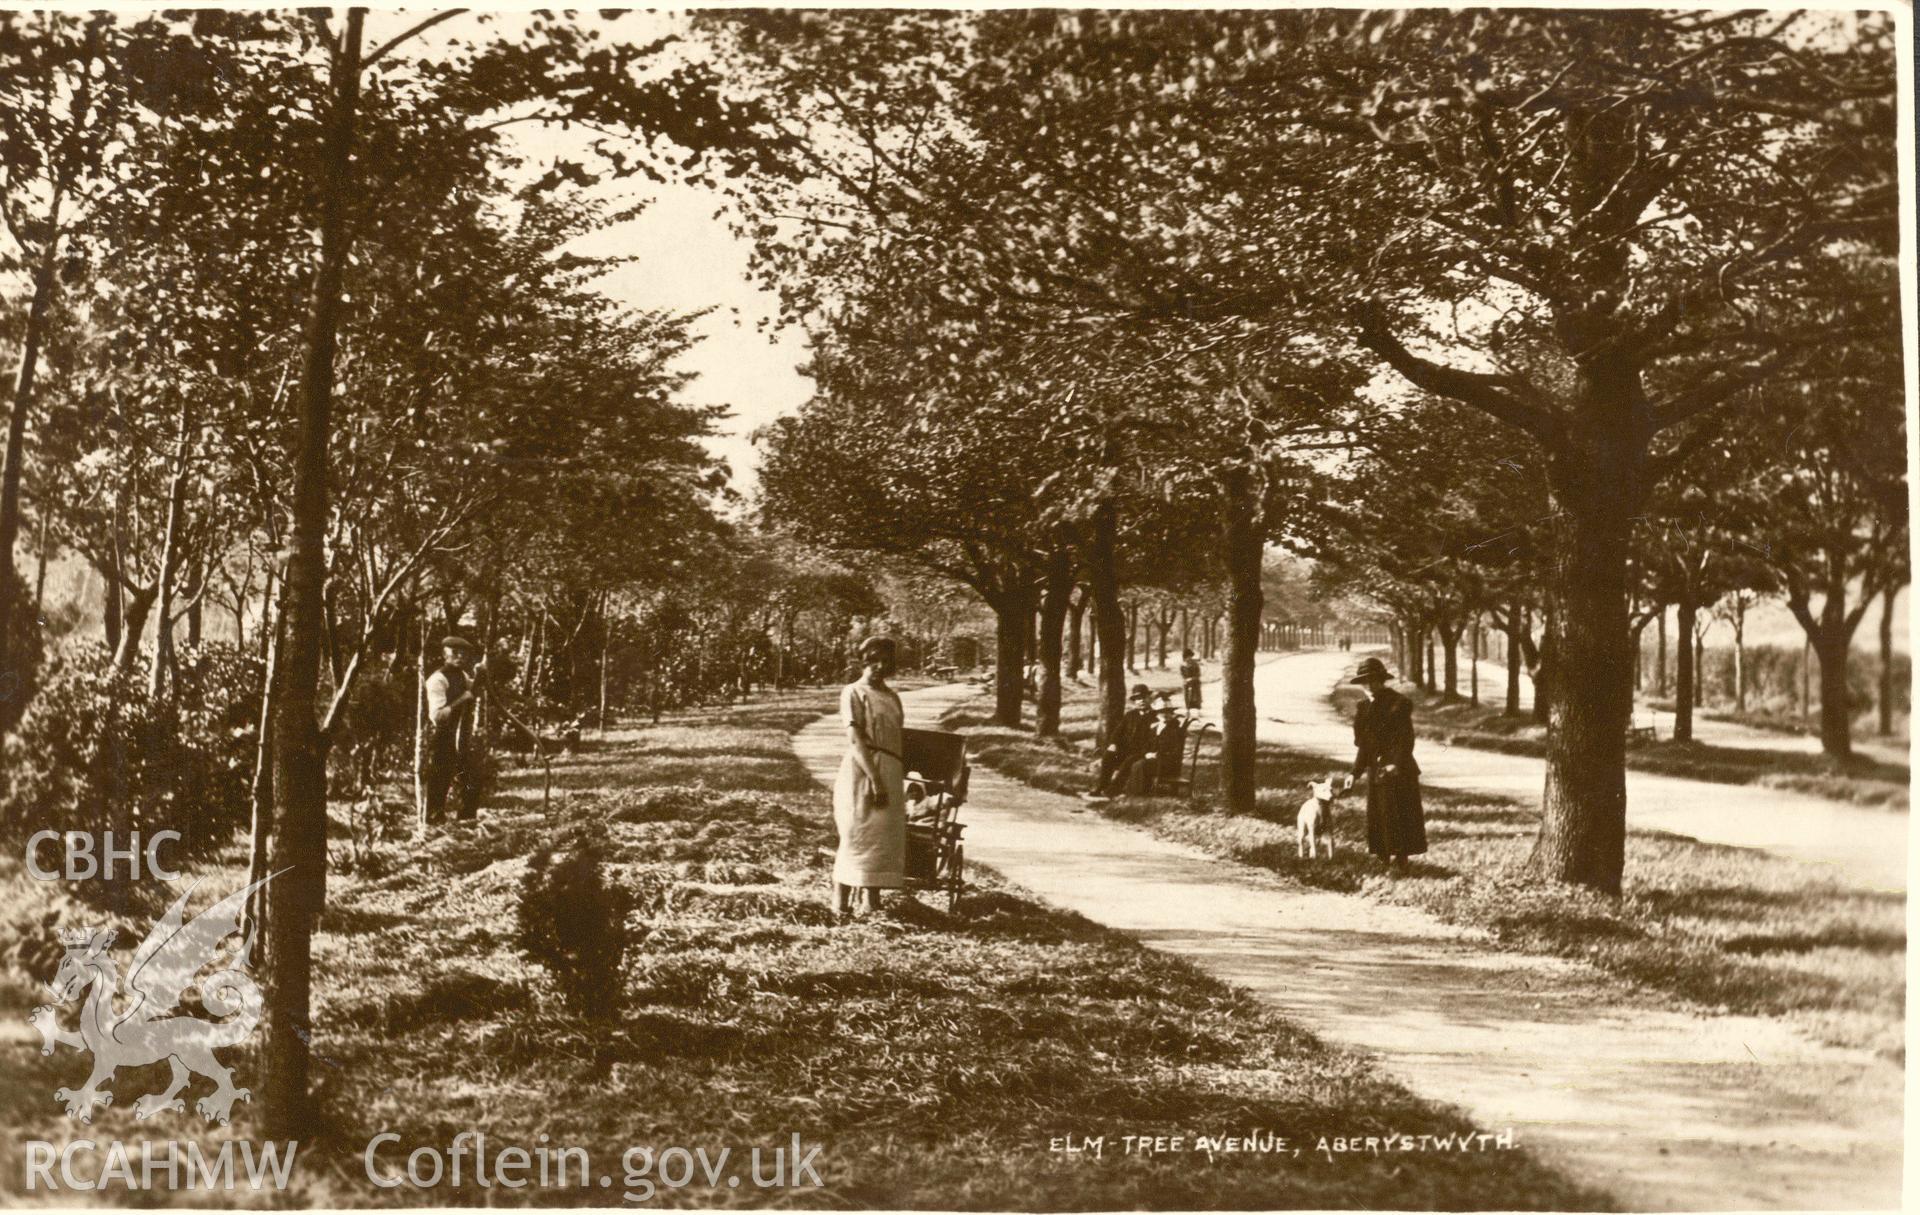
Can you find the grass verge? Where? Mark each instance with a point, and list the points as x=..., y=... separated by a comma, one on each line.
x=1861, y=780
x=1722, y=929
x=933, y=1060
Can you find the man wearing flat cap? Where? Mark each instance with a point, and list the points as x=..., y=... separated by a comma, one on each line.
x=450, y=700
x=1383, y=736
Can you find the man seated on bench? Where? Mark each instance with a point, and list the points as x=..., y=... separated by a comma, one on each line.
x=1128, y=746
x=1163, y=753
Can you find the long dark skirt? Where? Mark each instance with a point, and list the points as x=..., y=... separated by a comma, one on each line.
x=1396, y=823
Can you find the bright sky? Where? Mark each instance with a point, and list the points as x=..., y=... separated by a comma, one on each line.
x=685, y=258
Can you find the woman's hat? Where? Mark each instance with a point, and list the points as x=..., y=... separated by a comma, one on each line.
x=1370, y=670
x=876, y=645
x=1163, y=702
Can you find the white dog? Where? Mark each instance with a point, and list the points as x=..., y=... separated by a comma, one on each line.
x=1315, y=824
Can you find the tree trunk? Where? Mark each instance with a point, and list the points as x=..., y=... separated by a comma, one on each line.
x=1660, y=656
x=1684, y=672
x=1450, y=647
x=1243, y=545
x=1806, y=681
x=1886, y=660
x=110, y=611
x=1516, y=623
x=169, y=562
x=1836, y=707
x=133, y=626
x=1133, y=637
x=420, y=727
x=330, y=635
x=1640, y=655
x=1740, y=659
x=1076, y=616
x=1109, y=620
x=1012, y=615
x=1699, y=670
x=1030, y=644
x=12, y=464
x=1055, y=605
x=1588, y=666
x=258, y=840
x=606, y=647
x=268, y=597
x=41, y=550
x=1543, y=673
x=1473, y=664
x=530, y=676
x=299, y=751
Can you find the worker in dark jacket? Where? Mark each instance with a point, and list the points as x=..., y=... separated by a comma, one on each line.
x=1383, y=735
x=1128, y=745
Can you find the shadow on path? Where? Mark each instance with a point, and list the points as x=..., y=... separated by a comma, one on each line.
x=1665, y=1110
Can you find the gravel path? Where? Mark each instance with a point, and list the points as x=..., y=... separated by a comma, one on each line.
x=1665, y=1110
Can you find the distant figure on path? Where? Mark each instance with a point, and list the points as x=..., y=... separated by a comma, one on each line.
x=869, y=797
x=1190, y=679
x=450, y=700
x=1383, y=733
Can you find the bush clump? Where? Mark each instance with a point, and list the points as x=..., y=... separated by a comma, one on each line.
x=376, y=732
x=573, y=925
x=95, y=752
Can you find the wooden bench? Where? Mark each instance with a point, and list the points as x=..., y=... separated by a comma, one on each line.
x=1640, y=734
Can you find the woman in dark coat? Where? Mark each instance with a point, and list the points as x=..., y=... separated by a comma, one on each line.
x=1383, y=733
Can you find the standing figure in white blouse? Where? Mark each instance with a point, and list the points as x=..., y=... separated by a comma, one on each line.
x=869, y=800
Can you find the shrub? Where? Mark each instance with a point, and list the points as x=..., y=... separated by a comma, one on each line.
x=376, y=732
x=573, y=925
x=94, y=752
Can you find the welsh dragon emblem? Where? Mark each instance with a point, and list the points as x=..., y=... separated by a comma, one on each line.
x=149, y=1030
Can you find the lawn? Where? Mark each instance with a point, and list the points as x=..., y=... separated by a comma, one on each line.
x=1862, y=779
x=1714, y=927
x=934, y=1061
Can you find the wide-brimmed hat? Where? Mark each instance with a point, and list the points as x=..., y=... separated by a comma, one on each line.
x=454, y=641
x=877, y=645
x=1370, y=670
x=1163, y=702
